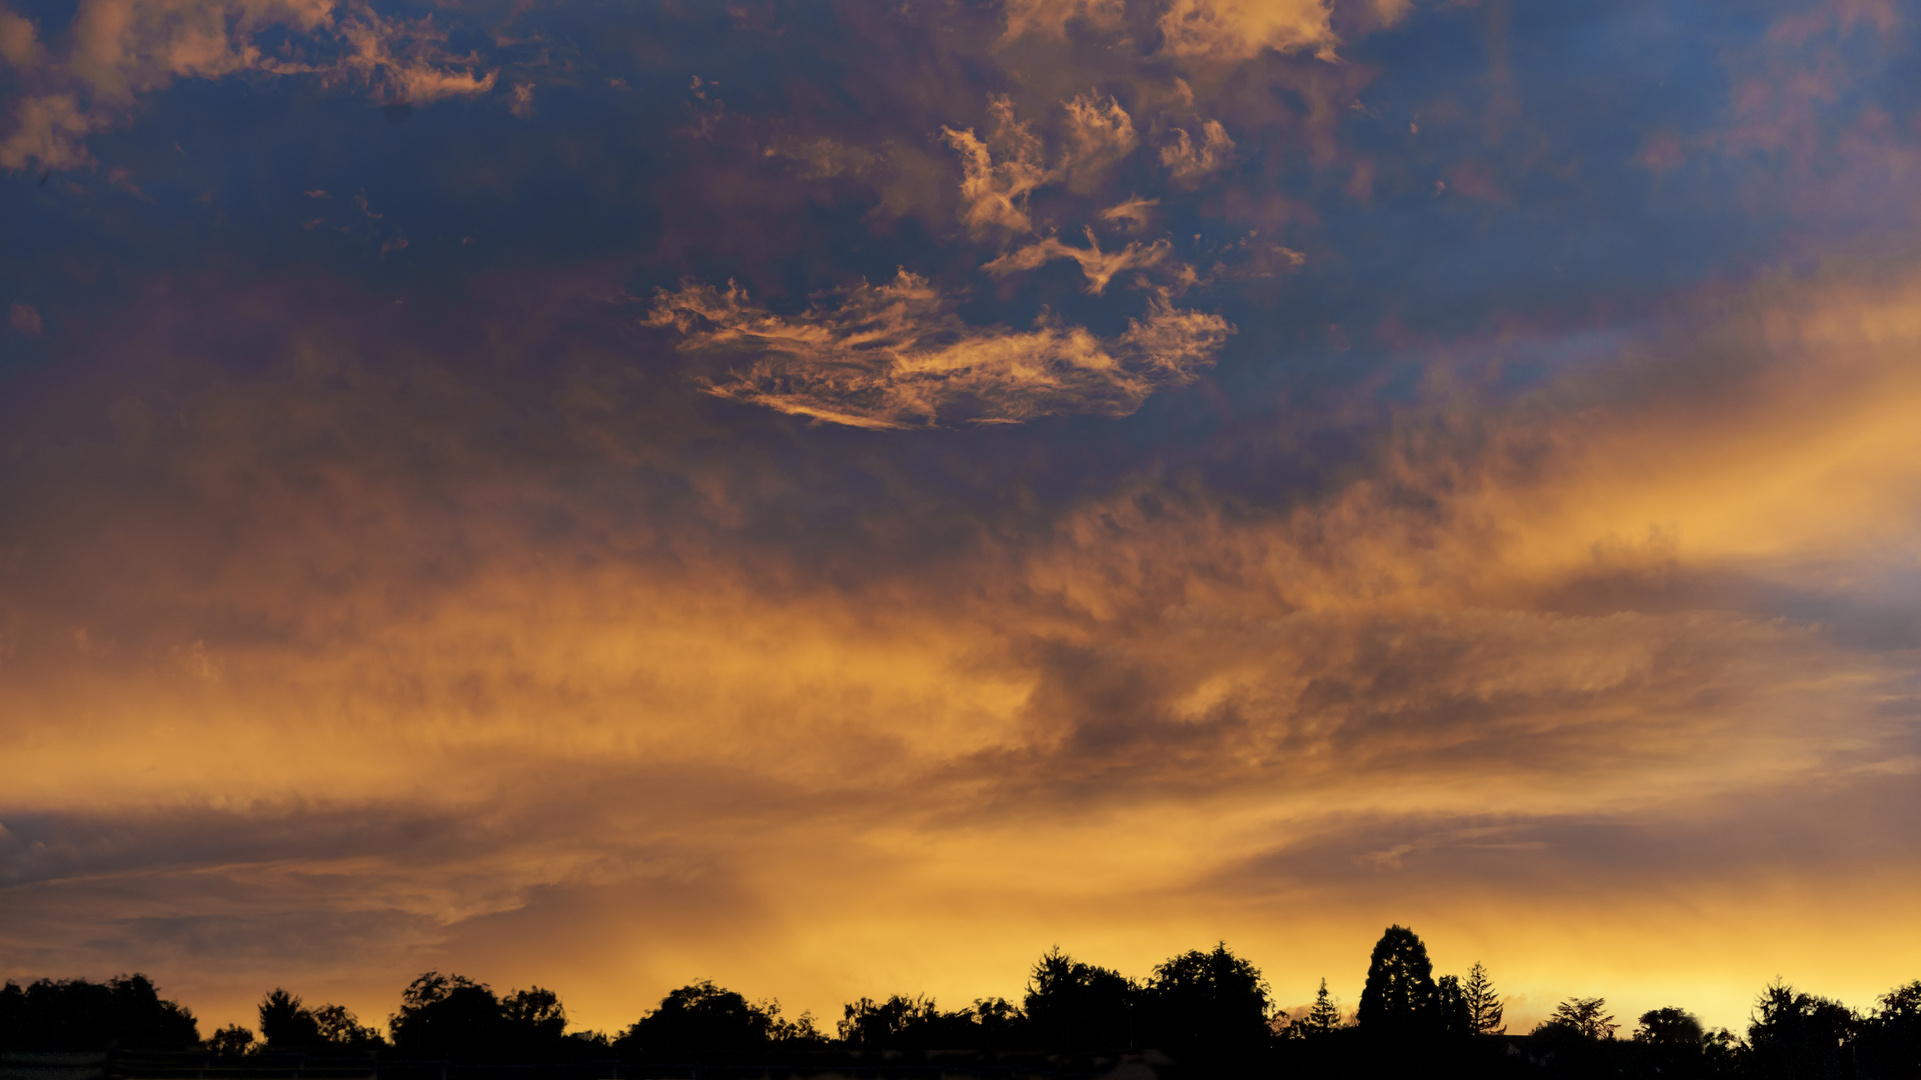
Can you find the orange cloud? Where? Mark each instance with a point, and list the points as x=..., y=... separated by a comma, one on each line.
x=896, y=355
x=1098, y=135
x=994, y=192
x=125, y=48
x=1189, y=163
x=1234, y=30
x=1098, y=266
x=1052, y=16
x=1132, y=213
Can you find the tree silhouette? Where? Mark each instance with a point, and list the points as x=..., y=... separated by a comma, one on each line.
x=890, y=1024
x=77, y=1015
x=341, y=1029
x=230, y=1041
x=452, y=1016
x=917, y=1023
x=286, y=1023
x=447, y=1016
x=1901, y=1003
x=1484, y=1006
x=1075, y=1006
x=534, y=1021
x=1587, y=1018
x=1889, y=1038
x=1399, y=998
x=999, y=1021
x=1669, y=1027
x=1322, y=1017
x=1799, y=1035
x=700, y=1018
x=1452, y=1017
x=1210, y=1002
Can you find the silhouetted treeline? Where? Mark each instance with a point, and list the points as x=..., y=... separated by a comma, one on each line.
x=1202, y=1013
x=76, y=1015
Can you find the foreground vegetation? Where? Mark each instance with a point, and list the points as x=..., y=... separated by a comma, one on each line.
x=1202, y=1013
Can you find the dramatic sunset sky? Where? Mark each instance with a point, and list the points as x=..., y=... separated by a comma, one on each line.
x=839, y=498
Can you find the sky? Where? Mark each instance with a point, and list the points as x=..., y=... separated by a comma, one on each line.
x=839, y=498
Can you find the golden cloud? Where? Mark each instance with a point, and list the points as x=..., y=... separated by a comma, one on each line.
x=1234, y=30
x=897, y=355
x=994, y=192
x=1188, y=162
x=1099, y=134
x=124, y=48
x=1098, y=266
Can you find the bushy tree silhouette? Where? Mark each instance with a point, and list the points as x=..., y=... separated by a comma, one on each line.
x=1398, y=1001
x=447, y=1016
x=1585, y=1018
x=340, y=1029
x=917, y=1023
x=999, y=1022
x=534, y=1022
x=75, y=1015
x=1075, y=1006
x=1208, y=1003
x=1669, y=1027
x=230, y=1041
x=286, y=1023
x=1889, y=1038
x=452, y=1016
x=700, y=1018
x=1799, y=1036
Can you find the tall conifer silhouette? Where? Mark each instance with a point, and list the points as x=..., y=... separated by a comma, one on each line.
x=1324, y=1016
x=1399, y=999
x=1484, y=1006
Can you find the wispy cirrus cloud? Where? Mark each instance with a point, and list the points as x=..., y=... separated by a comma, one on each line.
x=1190, y=160
x=1098, y=266
x=1000, y=172
x=1099, y=134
